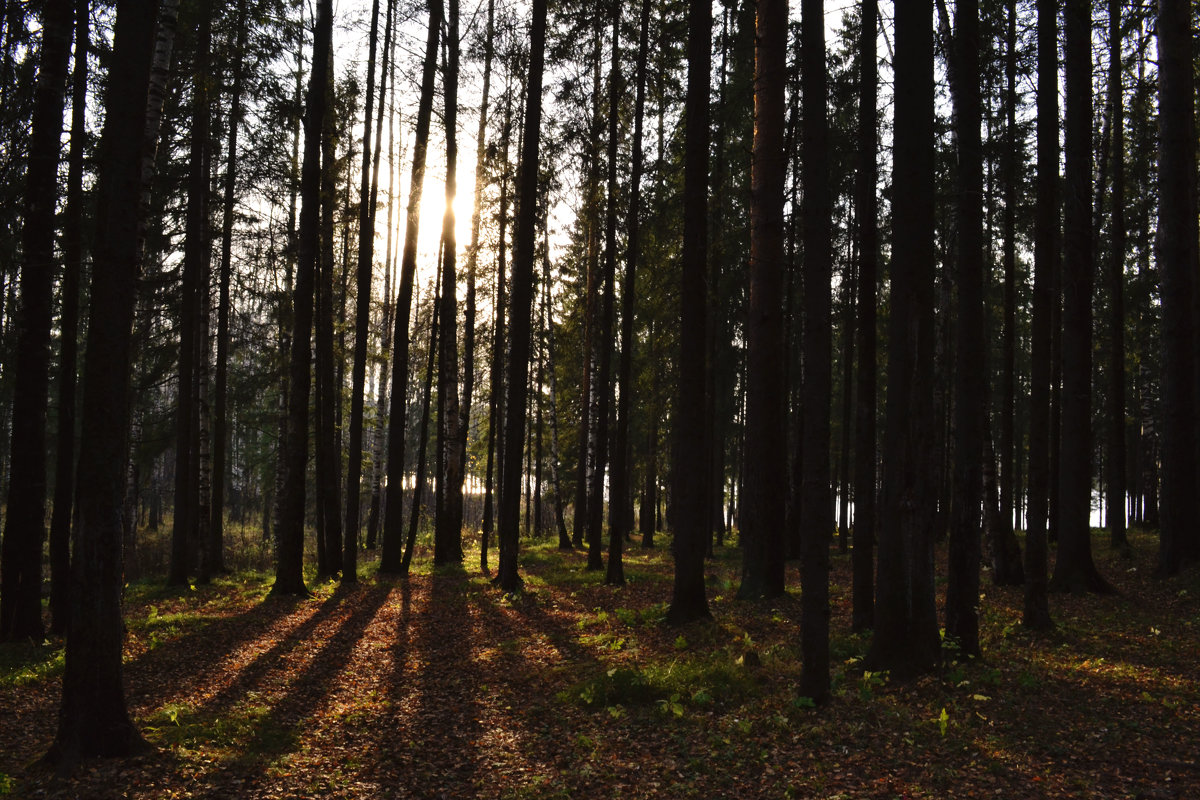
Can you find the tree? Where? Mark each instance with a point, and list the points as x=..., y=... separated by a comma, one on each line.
x=962, y=589
x=762, y=546
x=867, y=209
x=621, y=512
x=25, y=527
x=289, y=572
x=1045, y=257
x=1117, y=485
x=688, y=602
x=93, y=719
x=906, y=637
x=816, y=505
x=393, y=520
x=1179, y=542
x=64, y=471
x=524, y=251
x=362, y=308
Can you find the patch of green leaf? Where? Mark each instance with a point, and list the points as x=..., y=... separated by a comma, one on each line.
x=22, y=664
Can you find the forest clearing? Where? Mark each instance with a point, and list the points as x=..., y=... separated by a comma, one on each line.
x=440, y=685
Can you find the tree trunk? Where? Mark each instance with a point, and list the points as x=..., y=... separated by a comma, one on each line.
x=688, y=601
x=970, y=389
x=220, y=420
x=289, y=570
x=423, y=436
x=867, y=208
x=816, y=505
x=522, y=304
x=64, y=470
x=393, y=521
x=367, y=196
x=1179, y=542
x=1117, y=490
x=93, y=719
x=1045, y=256
x=906, y=637
x=447, y=542
x=1009, y=487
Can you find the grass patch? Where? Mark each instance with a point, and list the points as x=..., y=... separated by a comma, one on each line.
x=22, y=664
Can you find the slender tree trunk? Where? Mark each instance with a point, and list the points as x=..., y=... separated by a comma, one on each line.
x=816, y=508
x=564, y=537
x=970, y=389
x=367, y=196
x=867, y=206
x=688, y=601
x=64, y=471
x=1117, y=490
x=221, y=391
x=423, y=437
x=93, y=719
x=393, y=521
x=196, y=253
x=1045, y=256
x=289, y=572
x=522, y=303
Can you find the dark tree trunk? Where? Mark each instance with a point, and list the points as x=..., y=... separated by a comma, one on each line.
x=64, y=470
x=447, y=541
x=1179, y=542
x=970, y=405
x=1009, y=487
x=602, y=388
x=564, y=536
x=1074, y=569
x=766, y=473
x=867, y=208
x=621, y=514
x=393, y=520
x=906, y=637
x=367, y=195
x=688, y=601
x=93, y=719
x=816, y=505
x=522, y=304
x=220, y=419
x=25, y=524
x=196, y=254
x=1045, y=257
x=289, y=569
x=1117, y=489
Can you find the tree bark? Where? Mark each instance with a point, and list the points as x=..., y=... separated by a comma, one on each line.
x=93, y=719
x=1117, y=489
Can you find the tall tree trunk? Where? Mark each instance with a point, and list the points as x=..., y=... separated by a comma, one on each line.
x=1179, y=542
x=196, y=254
x=688, y=601
x=906, y=637
x=393, y=520
x=367, y=195
x=1045, y=256
x=25, y=524
x=220, y=419
x=522, y=304
x=762, y=553
x=64, y=469
x=289, y=569
x=423, y=431
x=602, y=389
x=621, y=511
x=93, y=719
x=1074, y=569
x=867, y=206
x=447, y=541
x=564, y=537
x=1117, y=490
x=816, y=506
x=970, y=404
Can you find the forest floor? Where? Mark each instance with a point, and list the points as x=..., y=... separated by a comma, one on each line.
x=442, y=687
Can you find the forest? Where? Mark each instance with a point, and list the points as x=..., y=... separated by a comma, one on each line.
x=578, y=399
